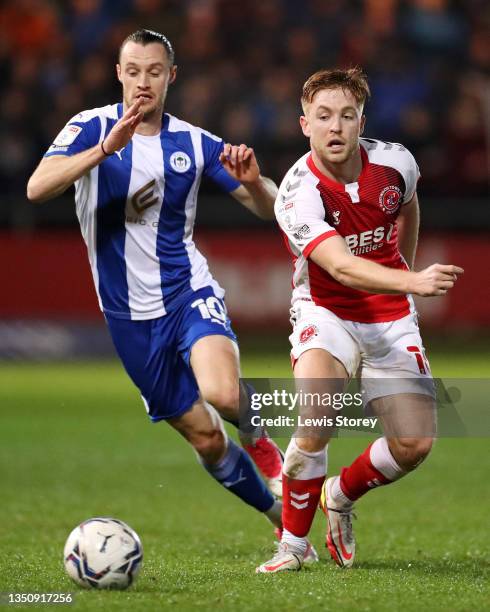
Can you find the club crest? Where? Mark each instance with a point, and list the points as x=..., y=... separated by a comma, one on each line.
x=390, y=199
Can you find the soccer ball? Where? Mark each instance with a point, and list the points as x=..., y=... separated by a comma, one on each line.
x=103, y=553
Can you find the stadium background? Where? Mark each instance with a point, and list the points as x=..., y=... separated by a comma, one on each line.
x=241, y=67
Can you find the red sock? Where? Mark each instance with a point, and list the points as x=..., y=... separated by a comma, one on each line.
x=361, y=476
x=299, y=503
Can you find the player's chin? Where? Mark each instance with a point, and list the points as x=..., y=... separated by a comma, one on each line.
x=149, y=108
x=337, y=157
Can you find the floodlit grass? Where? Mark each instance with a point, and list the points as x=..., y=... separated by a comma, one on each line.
x=75, y=443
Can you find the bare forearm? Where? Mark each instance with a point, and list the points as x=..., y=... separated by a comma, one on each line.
x=55, y=174
x=369, y=276
x=262, y=194
x=359, y=273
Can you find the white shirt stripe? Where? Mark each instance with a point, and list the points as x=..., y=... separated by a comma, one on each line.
x=140, y=253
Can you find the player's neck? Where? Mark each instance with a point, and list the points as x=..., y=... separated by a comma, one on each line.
x=151, y=124
x=345, y=172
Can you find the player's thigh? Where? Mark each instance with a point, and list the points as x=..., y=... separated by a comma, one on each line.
x=325, y=356
x=208, y=344
x=320, y=380
x=406, y=416
x=202, y=428
x=323, y=352
x=149, y=354
x=320, y=363
x=215, y=363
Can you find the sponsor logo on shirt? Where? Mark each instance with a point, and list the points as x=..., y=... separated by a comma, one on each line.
x=370, y=240
x=144, y=197
x=390, y=199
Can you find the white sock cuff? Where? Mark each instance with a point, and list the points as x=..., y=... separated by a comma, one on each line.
x=304, y=465
x=295, y=544
x=383, y=460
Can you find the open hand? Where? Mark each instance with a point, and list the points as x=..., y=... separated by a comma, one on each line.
x=240, y=162
x=123, y=130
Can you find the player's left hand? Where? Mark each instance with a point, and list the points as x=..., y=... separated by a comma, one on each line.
x=240, y=162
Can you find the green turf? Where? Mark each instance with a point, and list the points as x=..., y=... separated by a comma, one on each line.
x=75, y=443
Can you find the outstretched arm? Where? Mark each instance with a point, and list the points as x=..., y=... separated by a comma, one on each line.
x=55, y=174
x=333, y=256
x=256, y=192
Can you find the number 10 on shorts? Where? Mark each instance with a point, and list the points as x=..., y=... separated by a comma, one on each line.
x=212, y=308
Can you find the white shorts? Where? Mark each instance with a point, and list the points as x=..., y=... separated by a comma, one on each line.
x=373, y=351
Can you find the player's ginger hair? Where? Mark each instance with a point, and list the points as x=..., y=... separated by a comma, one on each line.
x=352, y=79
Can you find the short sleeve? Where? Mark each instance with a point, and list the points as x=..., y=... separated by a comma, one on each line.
x=302, y=218
x=212, y=146
x=411, y=176
x=77, y=136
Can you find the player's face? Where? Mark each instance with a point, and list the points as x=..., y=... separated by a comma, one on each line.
x=333, y=122
x=145, y=72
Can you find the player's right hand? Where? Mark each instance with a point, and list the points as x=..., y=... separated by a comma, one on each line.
x=437, y=279
x=123, y=130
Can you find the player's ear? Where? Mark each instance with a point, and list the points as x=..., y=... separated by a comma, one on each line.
x=118, y=72
x=305, y=126
x=173, y=74
x=363, y=124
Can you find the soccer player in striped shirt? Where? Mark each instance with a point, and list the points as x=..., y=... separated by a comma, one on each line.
x=137, y=172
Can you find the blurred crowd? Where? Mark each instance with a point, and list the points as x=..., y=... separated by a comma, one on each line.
x=241, y=67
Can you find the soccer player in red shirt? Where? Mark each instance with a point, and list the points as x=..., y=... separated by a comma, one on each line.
x=349, y=213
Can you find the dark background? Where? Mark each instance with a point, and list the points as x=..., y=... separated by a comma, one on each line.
x=241, y=68
x=242, y=64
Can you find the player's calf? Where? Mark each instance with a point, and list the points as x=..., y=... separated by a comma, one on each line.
x=209, y=445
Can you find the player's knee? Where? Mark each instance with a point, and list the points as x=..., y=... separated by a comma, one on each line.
x=410, y=452
x=211, y=446
x=224, y=396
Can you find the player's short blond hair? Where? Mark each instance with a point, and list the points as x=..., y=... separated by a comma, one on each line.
x=352, y=79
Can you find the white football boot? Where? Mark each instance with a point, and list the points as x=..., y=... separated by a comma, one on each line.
x=340, y=536
x=285, y=560
x=310, y=556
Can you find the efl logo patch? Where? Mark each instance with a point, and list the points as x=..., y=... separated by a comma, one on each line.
x=67, y=136
x=390, y=199
x=308, y=333
x=287, y=214
x=180, y=161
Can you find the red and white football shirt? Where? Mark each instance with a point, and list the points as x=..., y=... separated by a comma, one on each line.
x=310, y=208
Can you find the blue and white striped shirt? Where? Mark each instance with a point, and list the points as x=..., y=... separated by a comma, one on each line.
x=137, y=210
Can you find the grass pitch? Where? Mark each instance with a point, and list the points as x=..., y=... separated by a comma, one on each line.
x=75, y=443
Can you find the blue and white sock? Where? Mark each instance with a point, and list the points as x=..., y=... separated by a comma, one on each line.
x=236, y=473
